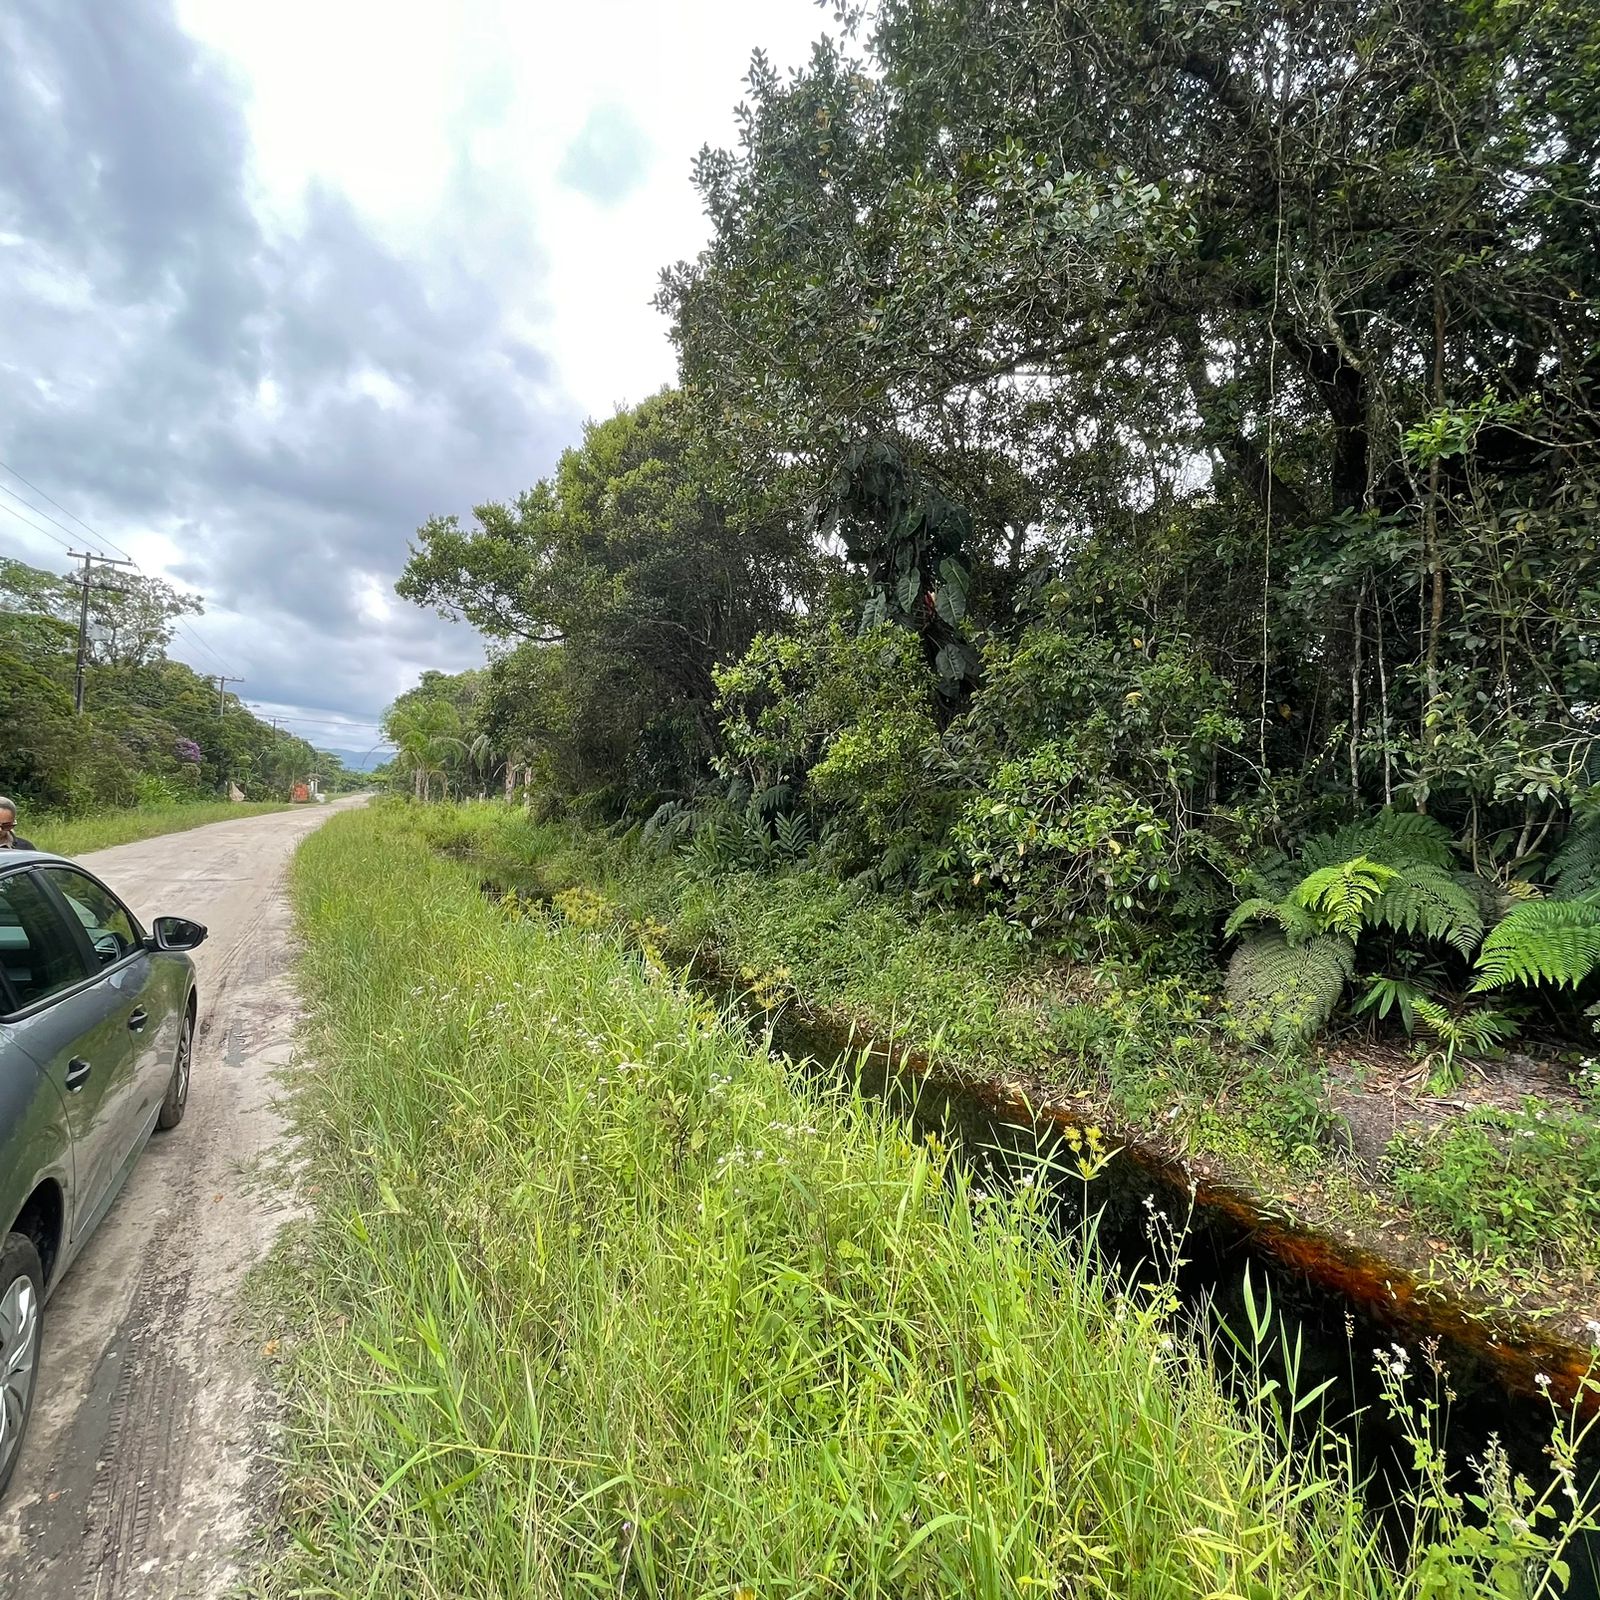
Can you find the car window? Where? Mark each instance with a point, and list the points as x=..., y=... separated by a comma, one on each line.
x=104, y=917
x=38, y=951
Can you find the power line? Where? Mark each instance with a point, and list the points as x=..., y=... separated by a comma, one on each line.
x=37, y=512
x=28, y=522
x=100, y=537
x=320, y=722
x=195, y=639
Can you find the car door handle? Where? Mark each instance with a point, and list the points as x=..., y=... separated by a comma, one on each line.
x=78, y=1071
x=137, y=1019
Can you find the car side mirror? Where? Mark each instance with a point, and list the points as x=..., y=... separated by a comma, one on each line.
x=177, y=933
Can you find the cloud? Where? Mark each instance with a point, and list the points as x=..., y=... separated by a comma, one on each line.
x=609, y=158
x=272, y=404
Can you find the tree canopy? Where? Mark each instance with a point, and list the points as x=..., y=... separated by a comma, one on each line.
x=151, y=728
x=1123, y=453
x=619, y=583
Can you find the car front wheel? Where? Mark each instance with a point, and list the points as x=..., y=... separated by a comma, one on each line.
x=21, y=1305
x=171, y=1113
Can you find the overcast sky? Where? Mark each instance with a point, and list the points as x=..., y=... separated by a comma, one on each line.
x=280, y=281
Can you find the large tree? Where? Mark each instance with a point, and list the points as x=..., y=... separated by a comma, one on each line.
x=1284, y=313
x=634, y=569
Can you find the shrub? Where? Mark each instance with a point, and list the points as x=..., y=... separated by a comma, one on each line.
x=1053, y=848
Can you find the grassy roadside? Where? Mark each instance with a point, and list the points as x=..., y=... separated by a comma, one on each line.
x=1504, y=1207
x=594, y=1300
x=77, y=836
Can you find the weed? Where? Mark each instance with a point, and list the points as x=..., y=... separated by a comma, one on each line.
x=593, y=1300
x=76, y=836
x=1524, y=1182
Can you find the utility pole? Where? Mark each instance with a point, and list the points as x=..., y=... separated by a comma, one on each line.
x=223, y=680
x=89, y=562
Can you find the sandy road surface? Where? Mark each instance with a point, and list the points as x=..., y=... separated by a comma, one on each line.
x=141, y=1473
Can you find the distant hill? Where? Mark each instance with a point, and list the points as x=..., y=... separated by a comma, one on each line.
x=359, y=760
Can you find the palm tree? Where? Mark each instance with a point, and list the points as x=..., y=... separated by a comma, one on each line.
x=424, y=734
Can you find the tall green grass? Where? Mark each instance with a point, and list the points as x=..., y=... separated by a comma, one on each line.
x=77, y=836
x=595, y=1300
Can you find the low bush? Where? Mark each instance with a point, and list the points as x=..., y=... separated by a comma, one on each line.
x=1523, y=1183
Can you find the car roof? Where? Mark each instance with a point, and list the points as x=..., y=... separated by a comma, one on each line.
x=26, y=858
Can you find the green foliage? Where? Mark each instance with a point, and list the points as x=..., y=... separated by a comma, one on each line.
x=849, y=718
x=667, y=1231
x=146, y=718
x=1288, y=990
x=1201, y=433
x=1478, y=1030
x=1037, y=260
x=1087, y=756
x=1392, y=838
x=1541, y=941
x=1339, y=897
x=621, y=581
x=911, y=541
x=1522, y=1183
x=1400, y=882
x=1052, y=849
x=1575, y=868
x=1423, y=899
x=428, y=726
x=1385, y=994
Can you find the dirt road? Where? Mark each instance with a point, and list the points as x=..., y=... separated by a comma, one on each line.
x=141, y=1474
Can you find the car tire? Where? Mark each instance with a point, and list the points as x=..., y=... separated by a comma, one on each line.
x=21, y=1330
x=172, y=1108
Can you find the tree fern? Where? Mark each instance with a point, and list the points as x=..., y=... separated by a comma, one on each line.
x=1288, y=990
x=1391, y=838
x=1541, y=941
x=1575, y=867
x=1423, y=898
x=1297, y=922
x=1339, y=896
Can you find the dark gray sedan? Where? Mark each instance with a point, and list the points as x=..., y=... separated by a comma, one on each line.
x=97, y=1024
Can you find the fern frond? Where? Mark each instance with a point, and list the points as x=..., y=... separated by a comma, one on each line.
x=1391, y=838
x=1575, y=867
x=1298, y=923
x=1339, y=896
x=769, y=800
x=1480, y=1029
x=1257, y=906
x=1411, y=835
x=669, y=823
x=1288, y=990
x=792, y=835
x=1541, y=941
x=1422, y=898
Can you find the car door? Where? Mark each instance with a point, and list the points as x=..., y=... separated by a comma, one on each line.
x=117, y=951
x=70, y=1021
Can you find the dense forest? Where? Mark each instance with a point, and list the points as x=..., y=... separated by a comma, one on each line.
x=152, y=730
x=1134, y=475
